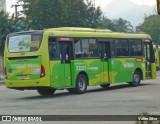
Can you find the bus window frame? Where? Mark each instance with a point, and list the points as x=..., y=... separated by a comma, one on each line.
x=104, y=40
x=115, y=56
x=142, y=48
x=152, y=54
x=58, y=42
x=82, y=57
x=121, y=39
x=52, y=59
x=129, y=56
x=25, y=33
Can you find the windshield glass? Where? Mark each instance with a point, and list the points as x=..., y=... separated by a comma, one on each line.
x=24, y=43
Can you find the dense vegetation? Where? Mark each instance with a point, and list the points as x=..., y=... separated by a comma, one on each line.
x=151, y=26
x=38, y=14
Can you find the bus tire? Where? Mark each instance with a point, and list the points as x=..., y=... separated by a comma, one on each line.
x=105, y=85
x=136, y=79
x=81, y=84
x=46, y=91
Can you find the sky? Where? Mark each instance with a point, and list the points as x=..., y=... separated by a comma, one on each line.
x=104, y=4
x=9, y=3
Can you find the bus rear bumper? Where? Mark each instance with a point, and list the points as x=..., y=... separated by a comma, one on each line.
x=27, y=84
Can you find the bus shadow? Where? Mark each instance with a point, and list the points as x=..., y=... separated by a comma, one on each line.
x=64, y=94
x=114, y=87
x=56, y=95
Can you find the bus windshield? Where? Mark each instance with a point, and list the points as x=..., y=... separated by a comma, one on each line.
x=24, y=42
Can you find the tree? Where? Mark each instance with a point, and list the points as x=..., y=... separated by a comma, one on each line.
x=3, y=29
x=121, y=25
x=9, y=25
x=117, y=25
x=151, y=25
x=106, y=23
x=57, y=13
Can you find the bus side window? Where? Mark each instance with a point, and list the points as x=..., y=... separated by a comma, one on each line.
x=132, y=51
x=125, y=47
x=93, y=48
x=118, y=52
x=136, y=48
x=85, y=48
x=77, y=46
x=118, y=47
x=101, y=50
x=113, y=52
x=53, y=48
x=125, y=51
x=104, y=52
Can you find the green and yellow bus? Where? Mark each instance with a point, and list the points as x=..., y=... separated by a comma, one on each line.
x=74, y=58
x=156, y=50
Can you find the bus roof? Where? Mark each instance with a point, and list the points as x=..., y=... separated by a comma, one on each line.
x=85, y=32
x=92, y=33
x=24, y=32
x=80, y=29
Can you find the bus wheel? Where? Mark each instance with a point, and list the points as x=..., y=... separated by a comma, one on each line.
x=81, y=84
x=105, y=85
x=46, y=91
x=136, y=79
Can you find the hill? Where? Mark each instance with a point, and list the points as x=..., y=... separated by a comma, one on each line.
x=128, y=10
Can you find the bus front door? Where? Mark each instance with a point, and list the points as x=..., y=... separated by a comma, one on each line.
x=147, y=52
x=65, y=49
x=104, y=51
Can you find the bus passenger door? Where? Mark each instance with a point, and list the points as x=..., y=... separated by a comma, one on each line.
x=104, y=53
x=66, y=54
x=147, y=53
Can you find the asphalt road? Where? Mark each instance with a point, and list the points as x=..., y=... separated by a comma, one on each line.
x=117, y=100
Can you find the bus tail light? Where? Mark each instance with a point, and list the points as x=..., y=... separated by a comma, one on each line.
x=43, y=73
x=5, y=73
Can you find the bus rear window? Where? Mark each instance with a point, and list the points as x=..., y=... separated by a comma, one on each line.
x=24, y=43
